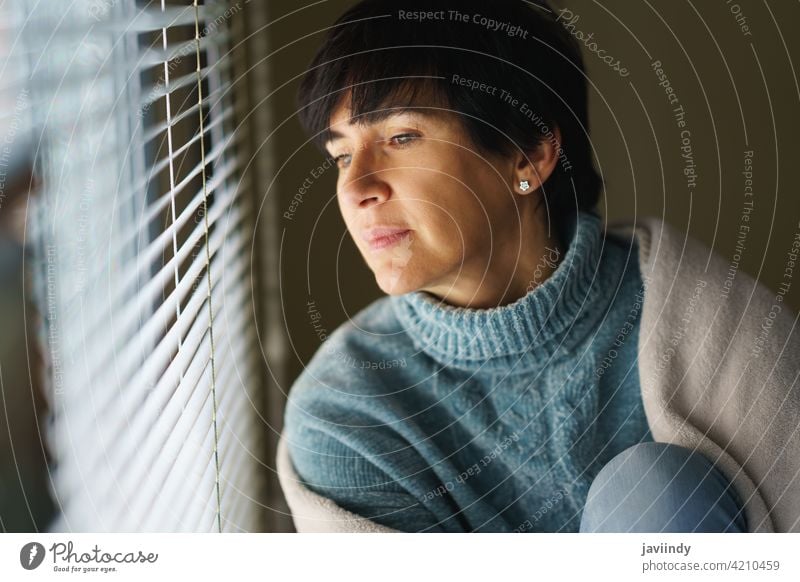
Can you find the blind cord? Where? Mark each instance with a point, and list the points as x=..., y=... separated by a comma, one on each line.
x=208, y=261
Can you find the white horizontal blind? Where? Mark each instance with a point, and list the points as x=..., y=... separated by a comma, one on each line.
x=144, y=238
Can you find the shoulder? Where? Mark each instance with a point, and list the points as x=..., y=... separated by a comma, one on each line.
x=344, y=407
x=353, y=471
x=344, y=418
x=364, y=355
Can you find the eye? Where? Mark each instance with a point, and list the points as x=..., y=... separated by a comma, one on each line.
x=403, y=139
x=342, y=160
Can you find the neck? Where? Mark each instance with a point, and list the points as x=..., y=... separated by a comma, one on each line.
x=552, y=319
x=518, y=263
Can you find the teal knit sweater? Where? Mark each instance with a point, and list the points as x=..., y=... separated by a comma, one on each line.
x=427, y=417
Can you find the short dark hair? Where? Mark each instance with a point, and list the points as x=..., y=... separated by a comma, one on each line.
x=386, y=56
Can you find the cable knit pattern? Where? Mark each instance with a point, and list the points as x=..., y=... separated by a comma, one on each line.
x=427, y=417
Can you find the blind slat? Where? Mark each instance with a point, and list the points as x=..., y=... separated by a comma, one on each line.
x=156, y=90
x=44, y=23
x=171, y=494
x=126, y=360
x=179, y=365
x=156, y=55
x=213, y=102
x=129, y=316
x=148, y=332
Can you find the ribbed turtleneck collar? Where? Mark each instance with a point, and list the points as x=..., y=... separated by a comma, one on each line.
x=551, y=318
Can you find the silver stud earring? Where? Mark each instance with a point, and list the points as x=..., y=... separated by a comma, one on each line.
x=523, y=185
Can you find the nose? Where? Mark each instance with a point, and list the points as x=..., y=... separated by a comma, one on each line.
x=365, y=181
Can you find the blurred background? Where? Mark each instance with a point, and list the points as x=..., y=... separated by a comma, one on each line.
x=153, y=292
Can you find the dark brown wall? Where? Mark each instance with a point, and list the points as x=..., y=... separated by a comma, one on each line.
x=319, y=262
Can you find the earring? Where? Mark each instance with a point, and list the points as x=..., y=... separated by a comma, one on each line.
x=523, y=185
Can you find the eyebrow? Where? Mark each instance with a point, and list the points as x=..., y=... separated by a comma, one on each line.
x=373, y=117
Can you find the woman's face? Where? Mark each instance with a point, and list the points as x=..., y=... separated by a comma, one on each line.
x=425, y=208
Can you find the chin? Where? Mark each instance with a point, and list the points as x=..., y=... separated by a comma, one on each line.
x=397, y=274
x=394, y=286
x=395, y=283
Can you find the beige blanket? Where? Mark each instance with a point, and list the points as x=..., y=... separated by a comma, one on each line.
x=719, y=360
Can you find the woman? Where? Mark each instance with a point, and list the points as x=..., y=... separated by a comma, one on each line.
x=497, y=387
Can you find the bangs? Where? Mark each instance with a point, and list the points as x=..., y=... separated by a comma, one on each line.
x=373, y=101
x=372, y=87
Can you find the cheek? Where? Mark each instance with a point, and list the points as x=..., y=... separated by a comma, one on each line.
x=450, y=237
x=467, y=226
x=344, y=210
x=453, y=225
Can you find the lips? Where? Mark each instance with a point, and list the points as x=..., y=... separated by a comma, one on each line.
x=383, y=236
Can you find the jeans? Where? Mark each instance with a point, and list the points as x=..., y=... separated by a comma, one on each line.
x=660, y=487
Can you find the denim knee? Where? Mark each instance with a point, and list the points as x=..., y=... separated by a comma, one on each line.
x=661, y=487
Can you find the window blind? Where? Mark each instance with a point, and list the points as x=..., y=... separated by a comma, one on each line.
x=142, y=238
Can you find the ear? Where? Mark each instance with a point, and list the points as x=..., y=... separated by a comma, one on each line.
x=536, y=166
